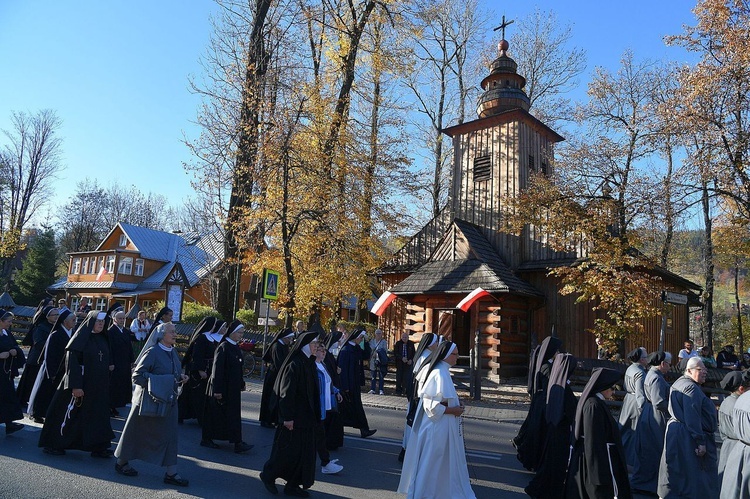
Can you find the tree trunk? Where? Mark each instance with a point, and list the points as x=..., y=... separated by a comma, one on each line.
x=738, y=303
x=708, y=295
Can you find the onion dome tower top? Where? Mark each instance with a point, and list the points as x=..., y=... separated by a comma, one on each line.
x=503, y=87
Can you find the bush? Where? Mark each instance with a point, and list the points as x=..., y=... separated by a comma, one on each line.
x=193, y=313
x=247, y=317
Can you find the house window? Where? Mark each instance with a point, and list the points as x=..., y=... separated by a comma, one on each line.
x=352, y=315
x=85, y=266
x=111, y=264
x=145, y=305
x=126, y=265
x=101, y=304
x=95, y=269
x=123, y=240
x=74, y=303
x=139, y=266
x=76, y=266
x=482, y=168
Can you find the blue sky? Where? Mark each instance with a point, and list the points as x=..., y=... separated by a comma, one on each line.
x=117, y=73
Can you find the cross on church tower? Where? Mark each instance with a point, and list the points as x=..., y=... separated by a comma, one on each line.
x=503, y=26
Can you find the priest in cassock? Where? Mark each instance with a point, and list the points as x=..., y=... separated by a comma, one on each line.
x=560, y=413
x=223, y=409
x=121, y=351
x=153, y=438
x=632, y=404
x=435, y=461
x=274, y=355
x=652, y=424
x=352, y=379
x=293, y=454
x=78, y=416
x=736, y=481
x=736, y=383
x=51, y=370
x=197, y=364
x=597, y=466
x=689, y=466
x=11, y=358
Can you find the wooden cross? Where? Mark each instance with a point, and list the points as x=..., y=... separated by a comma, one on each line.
x=100, y=355
x=503, y=26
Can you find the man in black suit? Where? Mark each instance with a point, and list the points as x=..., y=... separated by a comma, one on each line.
x=404, y=353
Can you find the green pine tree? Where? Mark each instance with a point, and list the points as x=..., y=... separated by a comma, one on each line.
x=38, y=272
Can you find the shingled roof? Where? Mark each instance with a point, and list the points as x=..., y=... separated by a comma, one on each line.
x=462, y=261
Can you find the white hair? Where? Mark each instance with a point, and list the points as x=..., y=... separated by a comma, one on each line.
x=694, y=362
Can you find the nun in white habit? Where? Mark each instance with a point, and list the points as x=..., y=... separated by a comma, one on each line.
x=435, y=462
x=153, y=438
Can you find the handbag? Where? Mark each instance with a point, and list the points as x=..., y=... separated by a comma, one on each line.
x=158, y=396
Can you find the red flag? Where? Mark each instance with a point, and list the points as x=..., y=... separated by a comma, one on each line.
x=101, y=273
x=385, y=299
x=466, y=303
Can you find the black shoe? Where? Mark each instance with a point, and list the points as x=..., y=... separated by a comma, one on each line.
x=37, y=419
x=53, y=452
x=12, y=428
x=295, y=491
x=367, y=433
x=269, y=485
x=175, y=480
x=264, y=424
x=241, y=447
x=401, y=455
x=209, y=443
x=103, y=454
x=126, y=470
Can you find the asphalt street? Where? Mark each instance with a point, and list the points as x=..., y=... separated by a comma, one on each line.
x=371, y=468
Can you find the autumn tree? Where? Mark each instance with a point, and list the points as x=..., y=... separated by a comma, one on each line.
x=732, y=240
x=29, y=160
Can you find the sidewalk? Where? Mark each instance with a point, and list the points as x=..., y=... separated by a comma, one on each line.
x=508, y=403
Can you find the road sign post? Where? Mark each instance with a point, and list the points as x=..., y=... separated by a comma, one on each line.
x=270, y=291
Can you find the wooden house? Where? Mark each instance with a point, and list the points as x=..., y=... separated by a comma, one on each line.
x=465, y=247
x=135, y=265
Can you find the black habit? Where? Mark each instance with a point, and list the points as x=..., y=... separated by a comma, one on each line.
x=193, y=398
x=274, y=357
x=53, y=355
x=223, y=418
x=83, y=423
x=352, y=378
x=33, y=362
x=10, y=407
x=293, y=456
x=121, y=353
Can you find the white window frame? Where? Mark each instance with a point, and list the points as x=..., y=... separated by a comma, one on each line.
x=74, y=301
x=123, y=240
x=85, y=265
x=111, y=264
x=76, y=266
x=101, y=304
x=95, y=269
x=126, y=265
x=139, y=264
x=145, y=305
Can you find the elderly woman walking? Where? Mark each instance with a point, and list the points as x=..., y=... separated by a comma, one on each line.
x=150, y=433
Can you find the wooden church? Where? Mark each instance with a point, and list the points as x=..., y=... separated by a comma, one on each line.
x=465, y=247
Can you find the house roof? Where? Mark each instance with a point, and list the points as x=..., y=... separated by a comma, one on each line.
x=461, y=270
x=504, y=117
x=152, y=244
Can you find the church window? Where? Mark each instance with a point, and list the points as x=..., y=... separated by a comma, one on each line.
x=544, y=168
x=482, y=168
x=531, y=163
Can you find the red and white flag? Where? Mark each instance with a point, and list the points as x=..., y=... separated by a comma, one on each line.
x=385, y=299
x=101, y=273
x=466, y=303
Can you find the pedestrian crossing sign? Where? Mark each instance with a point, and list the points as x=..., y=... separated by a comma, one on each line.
x=270, y=284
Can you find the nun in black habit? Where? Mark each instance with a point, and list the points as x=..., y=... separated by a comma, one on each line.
x=560, y=413
x=334, y=429
x=530, y=438
x=197, y=364
x=597, y=466
x=41, y=330
x=162, y=317
x=293, y=455
x=52, y=365
x=11, y=358
x=78, y=416
x=121, y=352
x=273, y=355
x=223, y=409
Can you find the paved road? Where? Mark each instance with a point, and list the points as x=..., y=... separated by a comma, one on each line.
x=371, y=469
